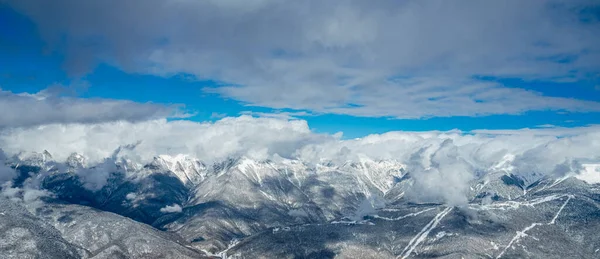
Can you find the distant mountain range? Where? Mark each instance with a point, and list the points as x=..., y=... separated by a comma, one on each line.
x=180, y=207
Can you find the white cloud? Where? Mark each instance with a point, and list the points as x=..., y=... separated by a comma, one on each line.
x=26, y=110
x=131, y=196
x=590, y=174
x=26, y=195
x=171, y=209
x=555, y=131
x=208, y=141
x=442, y=163
x=6, y=173
x=216, y=115
x=440, y=172
x=403, y=59
x=94, y=178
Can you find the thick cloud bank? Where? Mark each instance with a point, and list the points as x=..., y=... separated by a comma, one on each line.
x=254, y=137
x=442, y=163
x=264, y=138
x=406, y=59
x=25, y=110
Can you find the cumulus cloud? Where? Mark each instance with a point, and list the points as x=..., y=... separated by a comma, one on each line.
x=175, y=208
x=26, y=110
x=404, y=59
x=441, y=163
x=440, y=173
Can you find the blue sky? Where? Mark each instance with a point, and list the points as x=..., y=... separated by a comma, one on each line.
x=32, y=62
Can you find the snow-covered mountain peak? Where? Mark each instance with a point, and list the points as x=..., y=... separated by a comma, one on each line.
x=35, y=158
x=389, y=164
x=505, y=164
x=189, y=170
x=254, y=170
x=76, y=160
x=245, y=163
x=326, y=166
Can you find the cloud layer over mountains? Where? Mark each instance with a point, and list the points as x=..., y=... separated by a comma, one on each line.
x=442, y=163
x=263, y=138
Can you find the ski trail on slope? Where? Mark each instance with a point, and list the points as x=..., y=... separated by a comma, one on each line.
x=422, y=235
x=521, y=234
x=404, y=216
x=560, y=210
x=517, y=204
x=518, y=236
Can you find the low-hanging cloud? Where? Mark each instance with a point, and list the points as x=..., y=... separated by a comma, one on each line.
x=26, y=110
x=401, y=59
x=441, y=163
x=175, y=208
x=6, y=172
x=440, y=173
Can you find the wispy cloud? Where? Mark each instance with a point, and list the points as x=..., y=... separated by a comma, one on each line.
x=45, y=107
x=546, y=126
x=277, y=114
x=216, y=115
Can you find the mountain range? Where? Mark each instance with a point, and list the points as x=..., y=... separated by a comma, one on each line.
x=181, y=207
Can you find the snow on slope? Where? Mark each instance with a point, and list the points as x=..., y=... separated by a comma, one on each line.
x=189, y=170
